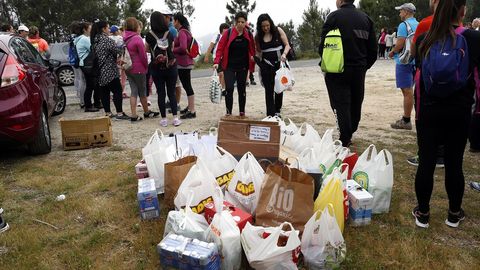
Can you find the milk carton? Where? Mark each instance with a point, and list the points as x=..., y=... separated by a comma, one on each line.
x=141, y=170
x=147, y=199
x=361, y=203
x=180, y=252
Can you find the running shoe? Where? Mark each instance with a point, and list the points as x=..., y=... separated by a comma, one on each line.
x=421, y=220
x=453, y=219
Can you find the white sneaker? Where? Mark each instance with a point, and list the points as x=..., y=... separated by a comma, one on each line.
x=176, y=122
x=164, y=122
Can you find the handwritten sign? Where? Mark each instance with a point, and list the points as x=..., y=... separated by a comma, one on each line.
x=259, y=133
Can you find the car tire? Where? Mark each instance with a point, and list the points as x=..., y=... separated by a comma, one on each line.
x=61, y=102
x=42, y=143
x=65, y=75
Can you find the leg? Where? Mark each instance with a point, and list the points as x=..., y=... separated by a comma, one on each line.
x=242, y=90
x=89, y=88
x=133, y=80
x=116, y=88
x=222, y=79
x=358, y=92
x=339, y=93
x=268, y=80
x=178, y=90
x=171, y=91
x=474, y=135
x=229, y=85
x=407, y=102
x=105, y=90
x=185, y=78
x=97, y=94
x=159, y=80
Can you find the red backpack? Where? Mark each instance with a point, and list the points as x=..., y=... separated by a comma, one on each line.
x=193, y=49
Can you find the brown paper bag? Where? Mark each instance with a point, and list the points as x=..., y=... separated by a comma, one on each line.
x=286, y=196
x=175, y=172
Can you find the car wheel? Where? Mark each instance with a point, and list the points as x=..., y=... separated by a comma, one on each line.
x=42, y=143
x=65, y=75
x=61, y=102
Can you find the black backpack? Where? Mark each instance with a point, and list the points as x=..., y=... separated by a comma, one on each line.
x=90, y=64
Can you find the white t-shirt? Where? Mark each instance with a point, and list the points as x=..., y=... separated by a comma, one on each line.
x=118, y=40
x=389, y=40
x=215, y=39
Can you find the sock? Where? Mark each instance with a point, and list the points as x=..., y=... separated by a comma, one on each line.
x=405, y=119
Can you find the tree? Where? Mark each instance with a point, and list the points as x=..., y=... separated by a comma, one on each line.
x=183, y=6
x=473, y=10
x=289, y=29
x=310, y=30
x=236, y=6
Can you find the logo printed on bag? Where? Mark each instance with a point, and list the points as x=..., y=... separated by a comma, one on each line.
x=245, y=189
x=216, y=231
x=281, y=202
x=323, y=169
x=200, y=208
x=361, y=178
x=226, y=178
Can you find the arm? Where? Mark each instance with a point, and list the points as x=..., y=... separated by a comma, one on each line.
x=222, y=44
x=372, y=46
x=398, y=47
x=209, y=50
x=257, y=48
x=284, y=39
x=181, y=39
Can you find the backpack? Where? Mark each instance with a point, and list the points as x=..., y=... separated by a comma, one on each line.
x=332, y=56
x=445, y=69
x=126, y=59
x=405, y=57
x=73, y=58
x=193, y=49
x=162, y=45
x=90, y=63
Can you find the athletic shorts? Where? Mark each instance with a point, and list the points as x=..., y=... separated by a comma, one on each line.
x=137, y=84
x=404, y=75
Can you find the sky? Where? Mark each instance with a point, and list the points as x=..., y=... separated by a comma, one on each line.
x=209, y=14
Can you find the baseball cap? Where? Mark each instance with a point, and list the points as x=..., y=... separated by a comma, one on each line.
x=22, y=28
x=407, y=6
x=113, y=29
x=166, y=11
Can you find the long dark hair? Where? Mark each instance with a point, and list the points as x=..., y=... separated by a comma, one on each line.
x=182, y=20
x=97, y=28
x=158, y=23
x=273, y=29
x=445, y=14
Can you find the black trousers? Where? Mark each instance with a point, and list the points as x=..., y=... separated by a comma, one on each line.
x=91, y=89
x=116, y=88
x=439, y=125
x=346, y=91
x=165, y=81
x=239, y=76
x=185, y=78
x=273, y=100
x=475, y=132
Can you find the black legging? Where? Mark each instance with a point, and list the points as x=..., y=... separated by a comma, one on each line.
x=165, y=79
x=381, y=50
x=273, y=100
x=186, y=80
x=90, y=90
x=439, y=125
x=230, y=78
x=116, y=88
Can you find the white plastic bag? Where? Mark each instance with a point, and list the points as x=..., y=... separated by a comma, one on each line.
x=244, y=188
x=283, y=79
x=224, y=232
x=185, y=222
x=222, y=165
x=201, y=181
x=215, y=88
x=366, y=167
x=323, y=246
x=381, y=185
x=298, y=142
x=265, y=253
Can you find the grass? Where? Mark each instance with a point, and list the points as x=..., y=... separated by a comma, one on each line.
x=99, y=225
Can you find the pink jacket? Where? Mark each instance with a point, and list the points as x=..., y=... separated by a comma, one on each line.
x=136, y=49
x=183, y=39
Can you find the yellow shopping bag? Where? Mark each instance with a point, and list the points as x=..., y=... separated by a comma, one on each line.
x=332, y=193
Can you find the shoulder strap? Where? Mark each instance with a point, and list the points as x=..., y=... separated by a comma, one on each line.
x=153, y=34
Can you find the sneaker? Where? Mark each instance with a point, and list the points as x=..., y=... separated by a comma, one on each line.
x=414, y=161
x=401, y=124
x=440, y=163
x=242, y=114
x=224, y=93
x=109, y=114
x=454, y=219
x=151, y=114
x=164, y=122
x=122, y=116
x=421, y=220
x=184, y=111
x=475, y=186
x=3, y=224
x=176, y=122
x=136, y=118
x=91, y=109
x=189, y=115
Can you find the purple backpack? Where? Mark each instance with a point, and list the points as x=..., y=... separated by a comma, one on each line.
x=445, y=69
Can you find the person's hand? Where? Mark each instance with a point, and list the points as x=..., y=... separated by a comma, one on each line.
x=215, y=66
x=252, y=59
x=205, y=59
x=283, y=58
x=390, y=54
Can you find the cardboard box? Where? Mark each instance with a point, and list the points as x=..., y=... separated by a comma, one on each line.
x=241, y=135
x=240, y=217
x=147, y=199
x=141, y=170
x=361, y=204
x=87, y=133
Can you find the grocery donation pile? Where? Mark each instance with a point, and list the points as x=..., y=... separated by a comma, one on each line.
x=261, y=194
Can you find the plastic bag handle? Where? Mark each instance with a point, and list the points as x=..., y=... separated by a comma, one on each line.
x=218, y=205
x=215, y=73
x=213, y=131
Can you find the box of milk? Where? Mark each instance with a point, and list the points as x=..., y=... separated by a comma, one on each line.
x=361, y=203
x=141, y=170
x=147, y=199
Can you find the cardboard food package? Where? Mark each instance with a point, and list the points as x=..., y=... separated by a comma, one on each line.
x=361, y=204
x=141, y=170
x=86, y=133
x=241, y=217
x=147, y=199
x=241, y=135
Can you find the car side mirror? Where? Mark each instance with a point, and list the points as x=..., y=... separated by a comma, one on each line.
x=54, y=63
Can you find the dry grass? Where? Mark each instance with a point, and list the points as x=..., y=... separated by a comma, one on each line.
x=99, y=226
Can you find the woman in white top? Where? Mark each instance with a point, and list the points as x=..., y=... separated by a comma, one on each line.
x=389, y=42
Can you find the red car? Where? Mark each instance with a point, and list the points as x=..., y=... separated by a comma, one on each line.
x=29, y=95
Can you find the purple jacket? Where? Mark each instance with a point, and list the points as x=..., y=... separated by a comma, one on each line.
x=136, y=48
x=183, y=39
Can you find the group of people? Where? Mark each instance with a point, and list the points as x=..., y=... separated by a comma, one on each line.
x=31, y=34
x=386, y=41
x=446, y=113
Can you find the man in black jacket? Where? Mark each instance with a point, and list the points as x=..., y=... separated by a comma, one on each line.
x=346, y=90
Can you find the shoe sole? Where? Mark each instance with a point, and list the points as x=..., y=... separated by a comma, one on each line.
x=412, y=163
x=454, y=225
x=419, y=224
x=5, y=228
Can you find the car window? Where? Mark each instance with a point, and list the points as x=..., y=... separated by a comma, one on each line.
x=38, y=58
x=22, y=51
